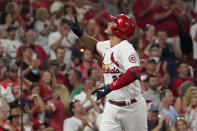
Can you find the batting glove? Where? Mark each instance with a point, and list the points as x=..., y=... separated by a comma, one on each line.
x=75, y=27
x=102, y=91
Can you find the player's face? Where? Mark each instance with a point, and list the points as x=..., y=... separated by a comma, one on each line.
x=108, y=30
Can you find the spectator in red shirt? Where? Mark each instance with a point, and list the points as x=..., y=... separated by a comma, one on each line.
x=86, y=63
x=38, y=51
x=34, y=106
x=166, y=18
x=57, y=108
x=183, y=75
x=142, y=10
x=47, y=83
x=60, y=78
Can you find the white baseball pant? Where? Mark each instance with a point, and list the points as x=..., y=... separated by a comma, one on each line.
x=127, y=118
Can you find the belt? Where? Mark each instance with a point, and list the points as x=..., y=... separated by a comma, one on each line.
x=123, y=103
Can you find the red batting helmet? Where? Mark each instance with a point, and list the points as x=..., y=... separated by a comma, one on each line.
x=124, y=28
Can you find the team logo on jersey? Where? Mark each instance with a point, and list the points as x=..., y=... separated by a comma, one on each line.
x=132, y=59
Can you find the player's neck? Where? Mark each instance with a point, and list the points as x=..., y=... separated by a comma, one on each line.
x=114, y=41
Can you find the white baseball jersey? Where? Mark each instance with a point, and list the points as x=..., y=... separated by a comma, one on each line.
x=116, y=61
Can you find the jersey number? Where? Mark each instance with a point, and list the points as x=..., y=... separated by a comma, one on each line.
x=115, y=77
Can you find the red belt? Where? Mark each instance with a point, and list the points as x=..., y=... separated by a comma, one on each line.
x=123, y=103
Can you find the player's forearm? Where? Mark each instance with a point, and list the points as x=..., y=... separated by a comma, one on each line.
x=89, y=42
x=127, y=78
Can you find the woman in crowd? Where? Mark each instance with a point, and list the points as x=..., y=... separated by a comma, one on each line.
x=37, y=114
x=179, y=101
x=191, y=113
x=57, y=107
x=47, y=83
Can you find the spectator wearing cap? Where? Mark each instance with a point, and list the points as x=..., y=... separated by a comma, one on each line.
x=183, y=75
x=144, y=83
x=74, y=78
x=155, y=53
x=152, y=94
x=156, y=121
x=158, y=69
x=55, y=68
x=15, y=118
x=38, y=51
x=43, y=26
x=167, y=109
x=76, y=122
x=11, y=44
x=63, y=37
x=30, y=67
x=58, y=108
x=9, y=85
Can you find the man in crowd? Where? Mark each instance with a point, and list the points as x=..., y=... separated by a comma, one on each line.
x=167, y=109
x=77, y=121
x=183, y=75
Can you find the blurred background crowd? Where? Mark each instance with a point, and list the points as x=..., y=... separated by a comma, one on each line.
x=46, y=76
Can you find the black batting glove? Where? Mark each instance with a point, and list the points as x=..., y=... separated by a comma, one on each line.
x=102, y=91
x=75, y=27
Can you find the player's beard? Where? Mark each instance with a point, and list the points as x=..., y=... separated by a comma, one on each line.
x=108, y=34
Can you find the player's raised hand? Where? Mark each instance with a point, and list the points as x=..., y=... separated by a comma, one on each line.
x=75, y=27
x=102, y=91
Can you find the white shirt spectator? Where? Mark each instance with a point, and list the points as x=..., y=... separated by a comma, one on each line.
x=10, y=47
x=193, y=31
x=66, y=42
x=7, y=93
x=42, y=39
x=74, y=124
x=191, y=119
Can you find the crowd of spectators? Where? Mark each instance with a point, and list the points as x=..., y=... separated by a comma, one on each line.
x=47, y=77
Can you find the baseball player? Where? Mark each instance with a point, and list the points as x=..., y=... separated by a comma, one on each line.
x=125, y=108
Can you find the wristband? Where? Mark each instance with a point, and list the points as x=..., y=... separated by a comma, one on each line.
x=30, y=67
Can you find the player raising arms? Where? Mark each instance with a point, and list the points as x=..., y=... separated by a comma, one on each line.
x=125, y=108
